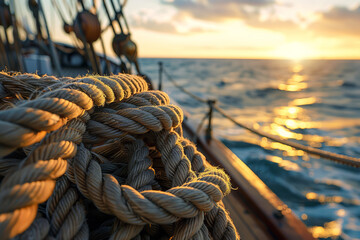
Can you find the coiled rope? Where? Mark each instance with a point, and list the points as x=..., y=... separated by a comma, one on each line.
x=339, y=158
x=102, y=157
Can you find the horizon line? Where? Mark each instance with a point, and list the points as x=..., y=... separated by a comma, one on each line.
x=251, y=58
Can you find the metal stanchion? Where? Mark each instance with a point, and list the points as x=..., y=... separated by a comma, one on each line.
x=160, y=75
x=208, y=133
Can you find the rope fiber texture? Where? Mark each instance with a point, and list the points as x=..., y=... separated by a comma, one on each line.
x=100, y=157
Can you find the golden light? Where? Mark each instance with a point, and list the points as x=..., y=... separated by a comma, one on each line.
x=288, y=112
x=295, y=51
x=297, y=68
x=331, y=229
x=304, y=101
x=292, y=87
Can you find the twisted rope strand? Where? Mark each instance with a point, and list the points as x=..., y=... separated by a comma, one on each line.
x=136, y=143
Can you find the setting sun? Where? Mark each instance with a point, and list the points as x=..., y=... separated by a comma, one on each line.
x=295, y=51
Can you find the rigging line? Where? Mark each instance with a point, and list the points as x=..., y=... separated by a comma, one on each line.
x=183, y=89
x=59, y=11
x=346, y=160
x=116, y=15
x=71, y=11
x=123, y=16
x=109, y=17
x=72, y=37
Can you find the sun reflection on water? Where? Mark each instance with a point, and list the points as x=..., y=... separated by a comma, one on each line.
x=290, y=112
x=331, y=199
x=285, y=164
x=297, y=68
x=293, y=87
x=304, y=101
x=329, y=230
x=296, y=120
x=295, y=82
x=287, y=150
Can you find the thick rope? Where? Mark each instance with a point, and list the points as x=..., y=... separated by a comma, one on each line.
x=122, y=150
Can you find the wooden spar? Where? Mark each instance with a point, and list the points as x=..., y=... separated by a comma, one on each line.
x=6, y=57
x=3, y=54
x=53, y=52
x=17, y=43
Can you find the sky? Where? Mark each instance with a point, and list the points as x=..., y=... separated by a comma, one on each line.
x=292, y=29
x=246, y=28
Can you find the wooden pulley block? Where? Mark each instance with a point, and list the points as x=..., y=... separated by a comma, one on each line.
x=33, y=5
x=90, y=26
x=5, y=11
x=119, y=43
x=131, y=51
x=68, y=28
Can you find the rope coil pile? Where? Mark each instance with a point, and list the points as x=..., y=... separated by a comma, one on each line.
x=102, y=157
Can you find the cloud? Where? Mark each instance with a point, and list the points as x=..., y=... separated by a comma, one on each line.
x=170, y=27
x=152, y=25
x=218, y=10
x=337, y=21
x=274, y=24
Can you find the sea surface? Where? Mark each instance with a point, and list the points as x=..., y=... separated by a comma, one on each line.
x=313, y=102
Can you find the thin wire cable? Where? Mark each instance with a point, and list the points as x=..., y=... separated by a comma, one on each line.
x=183, y=89
x=351, y=161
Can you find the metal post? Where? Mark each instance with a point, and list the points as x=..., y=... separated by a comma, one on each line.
x=208, y=133
x=160, y=75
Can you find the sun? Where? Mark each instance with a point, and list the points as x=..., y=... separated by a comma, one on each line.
x=295, y=51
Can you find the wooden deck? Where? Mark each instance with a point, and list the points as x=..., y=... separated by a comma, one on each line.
x=256, y=211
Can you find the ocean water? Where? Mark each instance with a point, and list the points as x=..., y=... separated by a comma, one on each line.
x=313, y=102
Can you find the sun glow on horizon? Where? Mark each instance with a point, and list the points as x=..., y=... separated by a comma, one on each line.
x=295, y=51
